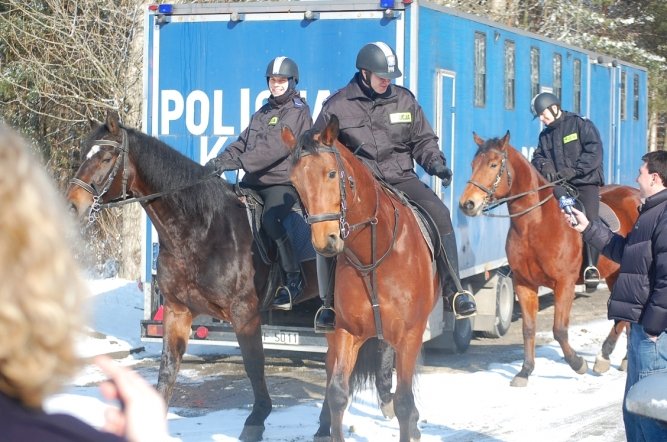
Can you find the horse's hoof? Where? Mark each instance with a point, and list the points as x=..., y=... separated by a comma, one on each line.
x=602, y=364
x=317, y=438
x=583, y=368
x=519, y=381
x=624, y=365
x=387, y=409
x=252, y=433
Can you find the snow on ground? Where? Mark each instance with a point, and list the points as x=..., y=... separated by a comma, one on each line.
x=557, y=405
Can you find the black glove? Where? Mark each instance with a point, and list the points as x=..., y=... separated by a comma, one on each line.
x=444, y=173
x=549, y=172
x=567, y=174
x=221, y=165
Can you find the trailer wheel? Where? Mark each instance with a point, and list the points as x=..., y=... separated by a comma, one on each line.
x=462, y=334
x=504, y=307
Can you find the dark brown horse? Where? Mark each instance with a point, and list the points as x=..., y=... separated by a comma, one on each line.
x=541, y=248
x=206, y=263
x=381, y=252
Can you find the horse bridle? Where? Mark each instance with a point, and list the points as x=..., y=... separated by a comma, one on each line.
x=121, y=158
x=491, y=202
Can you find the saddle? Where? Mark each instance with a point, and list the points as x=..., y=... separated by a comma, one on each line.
x=295, y=225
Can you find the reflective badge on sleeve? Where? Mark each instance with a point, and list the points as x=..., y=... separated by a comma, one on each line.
x=273, y=121
x=571, y=137
x=400, y=117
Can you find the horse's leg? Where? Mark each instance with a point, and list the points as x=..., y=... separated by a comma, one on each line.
x=323, y=433
x=564, y=297
x=177, y=322
x=247, y=326
x=602, y=362
x=338, y=390
x=383, y=379
x=529, y=303
x=404, y=400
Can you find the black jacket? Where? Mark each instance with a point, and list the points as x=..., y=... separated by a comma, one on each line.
x=640, y=292
x=572, y=142
x=260, y=149
x=391, y=130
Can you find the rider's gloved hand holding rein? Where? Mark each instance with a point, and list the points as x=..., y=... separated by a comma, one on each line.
x=444, y=173
x=220, y=165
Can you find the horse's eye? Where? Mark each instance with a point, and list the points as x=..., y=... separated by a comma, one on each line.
x=332, y=174
x=494, y=165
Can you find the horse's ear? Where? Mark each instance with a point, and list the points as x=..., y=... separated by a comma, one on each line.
x=113, y=122
x=478, y=140
x=330, y=133
x=94, y=124
x=506, y=139
x=288, y=138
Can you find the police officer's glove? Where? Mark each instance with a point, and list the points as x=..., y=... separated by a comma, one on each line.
x=444, y=173
x=567, y=174
x=549, y=172
x=220, y=165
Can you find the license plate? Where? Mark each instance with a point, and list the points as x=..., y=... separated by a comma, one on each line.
x=280, y=337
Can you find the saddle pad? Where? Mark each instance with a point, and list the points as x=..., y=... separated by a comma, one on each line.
x=609, y=217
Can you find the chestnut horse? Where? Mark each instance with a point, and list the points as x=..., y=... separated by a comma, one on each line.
x=206, y=264
x=541, y=248
x=382, y=254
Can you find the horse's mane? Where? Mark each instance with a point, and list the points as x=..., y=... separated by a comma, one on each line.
x=306, y=143
x=164, y=168
x=489, y=144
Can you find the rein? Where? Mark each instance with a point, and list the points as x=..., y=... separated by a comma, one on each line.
x=96, y=207
x=490, y=202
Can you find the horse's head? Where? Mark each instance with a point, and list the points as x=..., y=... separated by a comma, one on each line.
x=319, y=177
x=104, y=173
x=491, y=177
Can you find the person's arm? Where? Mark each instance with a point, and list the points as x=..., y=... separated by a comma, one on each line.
x=598, y=235
x=590, y=158
x=142, y=415
x=541, y=162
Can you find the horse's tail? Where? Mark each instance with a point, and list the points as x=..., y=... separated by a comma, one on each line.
x=375, y=363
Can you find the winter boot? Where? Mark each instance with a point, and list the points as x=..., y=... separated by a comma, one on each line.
x=287, y=293
x=325, y=318
x=591, y=272
x=462, y=303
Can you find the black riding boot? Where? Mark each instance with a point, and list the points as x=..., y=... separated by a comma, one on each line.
x=287, y=293
x=325, y=318
x=591, y=272
x=461, y=303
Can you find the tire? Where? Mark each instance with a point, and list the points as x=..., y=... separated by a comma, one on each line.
x=504, y=304
x=462, y=334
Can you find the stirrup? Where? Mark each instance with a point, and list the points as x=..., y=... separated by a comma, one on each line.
x=320, y=328
x=458, y=315
x=282, y=305
x=591, y=278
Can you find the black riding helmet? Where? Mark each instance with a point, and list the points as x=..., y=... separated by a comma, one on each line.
x=544, y=101
x=283, y=67
x=380, y=59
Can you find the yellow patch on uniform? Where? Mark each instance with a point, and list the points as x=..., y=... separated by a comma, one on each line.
x=571, y=137
x=400, y=117
x=273, y=121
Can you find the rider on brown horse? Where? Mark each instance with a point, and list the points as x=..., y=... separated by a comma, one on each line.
x=383, y=123
x=260, y=152
x=570, y=149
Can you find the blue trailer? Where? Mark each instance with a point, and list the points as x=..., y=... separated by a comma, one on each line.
x=204, y=77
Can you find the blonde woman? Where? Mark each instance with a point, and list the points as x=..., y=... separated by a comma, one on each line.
x=41, y=298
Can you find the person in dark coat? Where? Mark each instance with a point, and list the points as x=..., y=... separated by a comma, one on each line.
x=570, y=149
x=640, y=292
x=260, y=152
x=384, y=124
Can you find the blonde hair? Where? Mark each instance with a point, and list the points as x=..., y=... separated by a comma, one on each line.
x=41, y=288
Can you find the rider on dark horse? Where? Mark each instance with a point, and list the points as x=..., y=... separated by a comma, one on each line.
x=384, y=124
x=570, y=149
x=260, y=152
